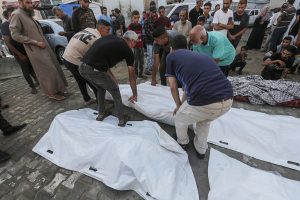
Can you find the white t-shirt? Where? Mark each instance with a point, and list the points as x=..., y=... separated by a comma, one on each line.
x=80, y=44
x=223, y=18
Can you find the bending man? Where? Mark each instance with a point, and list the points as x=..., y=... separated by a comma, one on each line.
x=105, y=53
x=208, y=93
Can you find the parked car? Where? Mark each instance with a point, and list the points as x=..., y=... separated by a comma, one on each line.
x=58, y=43
x=253, y=13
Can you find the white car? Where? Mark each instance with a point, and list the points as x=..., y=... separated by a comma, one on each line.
x=58, y=43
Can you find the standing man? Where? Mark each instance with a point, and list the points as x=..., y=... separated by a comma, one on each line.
x=24, y=29
x=120, y=23
x=223, y=18
x=196, y=12
x=83, y=17
x=149, y=28
x=162, y=20
x=67, y=22
x=17, y=49
x=76, y=49
x=283, y=22
x=183, y=26
x=104, y=16
x=208, y=19
x=241, y=21
x=207, y=93
x=162, y=44
x=104, y=54
x=214, y=44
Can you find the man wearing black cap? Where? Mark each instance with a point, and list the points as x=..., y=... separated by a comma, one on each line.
x=162, y=43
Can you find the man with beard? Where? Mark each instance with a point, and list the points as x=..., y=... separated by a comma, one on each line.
x=83, y=17
x=24, y=29
x=183, y=26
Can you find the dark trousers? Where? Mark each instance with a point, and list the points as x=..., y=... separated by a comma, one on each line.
x=80, y=81
x=276, y=38
x=270, y=73
x=239, y=64
x=225, y=69
x=27, y=71
x=103, y=82
x=162, y=68
x=3, y=123
x=138, y=60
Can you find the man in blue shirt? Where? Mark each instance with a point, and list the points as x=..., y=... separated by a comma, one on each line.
x=215, y=45
x=207, y=93
x=104, y=16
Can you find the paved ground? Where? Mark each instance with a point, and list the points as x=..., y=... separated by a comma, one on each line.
x=28, y=176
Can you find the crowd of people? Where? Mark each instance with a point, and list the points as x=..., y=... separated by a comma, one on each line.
x=96, y=44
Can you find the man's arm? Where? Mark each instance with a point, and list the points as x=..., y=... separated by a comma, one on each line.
x=174, y=90
x=132, y=82
x=155, y=68
x=75, y=22
x=15, y=27
x=270, y=62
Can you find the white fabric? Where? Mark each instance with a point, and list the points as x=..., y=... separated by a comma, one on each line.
x=154, y=102
x=221, y=17
x=233, y=180
x=140, y=156
x=272, y=138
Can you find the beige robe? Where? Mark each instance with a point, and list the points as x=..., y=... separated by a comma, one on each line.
x=26, y=30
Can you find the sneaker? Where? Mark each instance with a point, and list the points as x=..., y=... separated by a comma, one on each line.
x=90, y=102
x=199, y=155
x=123, y=121
x=57, y=97
x=103, y=115
x=34, y=91
x=4, y=156
x=184, y=146
x=13, y=129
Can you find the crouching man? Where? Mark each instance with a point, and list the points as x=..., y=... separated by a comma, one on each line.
x=105, y=53
x=207, y=93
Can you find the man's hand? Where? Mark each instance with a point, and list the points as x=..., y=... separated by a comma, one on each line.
x=281, y=63
x=175, y=110
x=41, y=45
x=133, y=99
x=62, y=33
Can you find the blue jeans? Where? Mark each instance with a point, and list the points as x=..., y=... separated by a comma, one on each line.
x=149, y=63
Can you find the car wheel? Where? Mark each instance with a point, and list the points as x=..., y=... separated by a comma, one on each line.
x=59, y=53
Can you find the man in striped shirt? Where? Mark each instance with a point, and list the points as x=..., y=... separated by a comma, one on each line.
x=283, y=23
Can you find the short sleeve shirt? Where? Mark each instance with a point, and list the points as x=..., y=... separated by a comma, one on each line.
x=240, y=22
x=80, y=44
x=106, y=52
x=202, y=80
x=221, y=17
x=288, y=63
x=218, y=47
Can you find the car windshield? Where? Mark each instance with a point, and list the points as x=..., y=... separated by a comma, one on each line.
x=168, y=9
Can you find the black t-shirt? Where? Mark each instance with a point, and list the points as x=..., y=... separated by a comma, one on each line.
x=6, y=32
x=288, y=63
x=106, y=52
x=240, y=22
x=194, y=14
